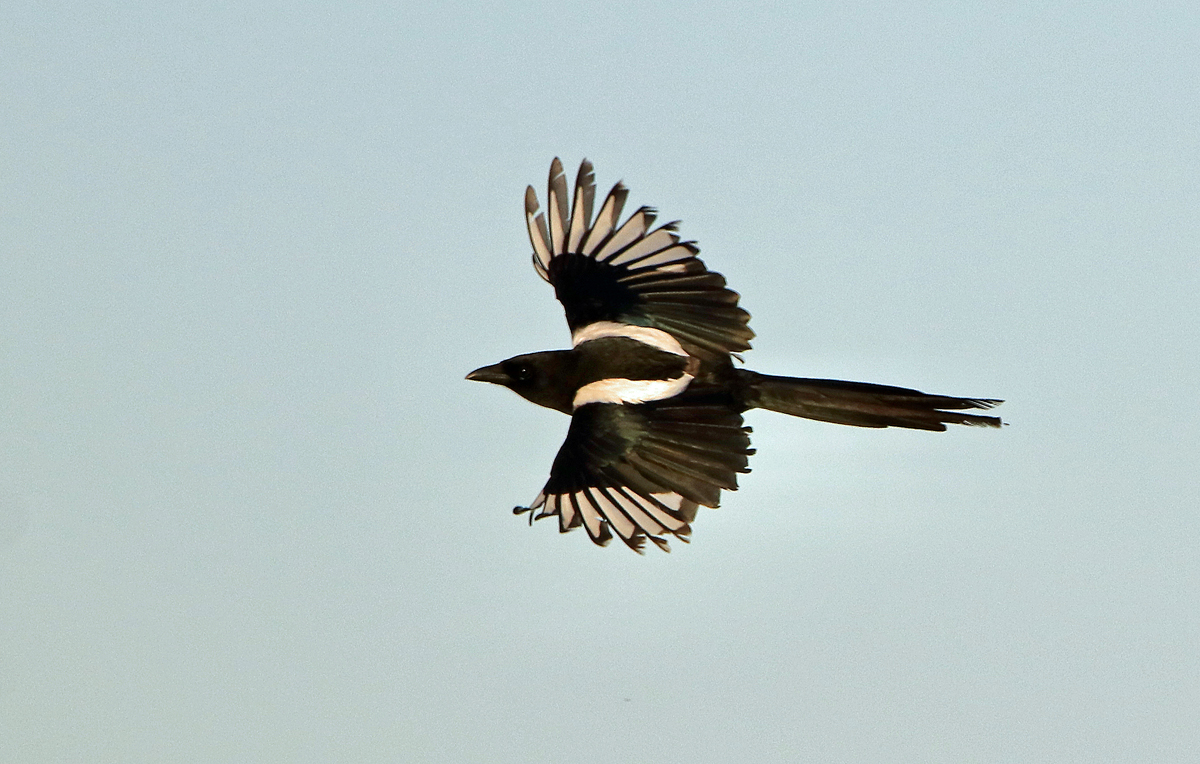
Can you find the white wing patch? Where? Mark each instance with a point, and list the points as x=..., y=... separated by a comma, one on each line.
x=633, y=229
x=606, y=221
x=538, y=235
x=581, y=215
x=557, y=207
x=634, y=517
x=659, y=240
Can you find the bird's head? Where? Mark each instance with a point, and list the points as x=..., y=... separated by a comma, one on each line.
x=542, y=378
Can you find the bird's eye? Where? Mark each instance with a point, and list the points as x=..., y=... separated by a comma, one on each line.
x=523, y=372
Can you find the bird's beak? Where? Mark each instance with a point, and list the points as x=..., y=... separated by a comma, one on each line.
x=493, y=374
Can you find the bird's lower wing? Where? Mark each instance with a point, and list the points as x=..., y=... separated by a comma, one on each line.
x=642, y=470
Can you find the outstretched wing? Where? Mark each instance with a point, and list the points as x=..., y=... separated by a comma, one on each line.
x=643, y=470
x=610, y=276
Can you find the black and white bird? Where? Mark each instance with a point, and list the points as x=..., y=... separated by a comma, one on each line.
x=650, y=385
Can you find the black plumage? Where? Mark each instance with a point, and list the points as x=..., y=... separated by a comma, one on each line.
x=655, y=400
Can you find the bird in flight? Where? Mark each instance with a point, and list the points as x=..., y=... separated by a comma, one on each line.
x=650, y=385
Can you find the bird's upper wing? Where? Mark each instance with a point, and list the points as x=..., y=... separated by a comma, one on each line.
x=643, y=470
x=608, y=276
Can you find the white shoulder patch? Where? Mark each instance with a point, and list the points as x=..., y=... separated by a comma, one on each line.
x=646, y=335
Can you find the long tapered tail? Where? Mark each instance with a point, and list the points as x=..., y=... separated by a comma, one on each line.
x=861, y=404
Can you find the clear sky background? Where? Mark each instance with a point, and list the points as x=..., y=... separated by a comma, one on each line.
x=251, y=511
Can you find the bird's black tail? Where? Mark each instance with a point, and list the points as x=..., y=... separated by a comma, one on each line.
x=861, y=404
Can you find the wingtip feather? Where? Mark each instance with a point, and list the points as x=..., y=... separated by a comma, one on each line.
x=557, y=206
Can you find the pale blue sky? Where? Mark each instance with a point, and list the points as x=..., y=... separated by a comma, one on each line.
x=250, y=510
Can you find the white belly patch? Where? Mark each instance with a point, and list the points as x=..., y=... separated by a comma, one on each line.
x=630, y=390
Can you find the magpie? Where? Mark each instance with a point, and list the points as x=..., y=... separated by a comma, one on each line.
x=650, y=384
